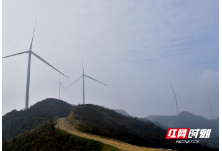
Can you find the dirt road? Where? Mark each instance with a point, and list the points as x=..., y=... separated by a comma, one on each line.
x=63, y=125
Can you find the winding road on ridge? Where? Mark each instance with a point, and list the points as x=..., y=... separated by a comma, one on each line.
x=62, y=124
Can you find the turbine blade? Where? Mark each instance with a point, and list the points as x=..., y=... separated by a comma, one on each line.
x=15, y=54
x=33, y=35
x=95, y=80
x=214, y=101
x=63, y=87
x=73, y=82
x=204, y=106
x=208, y=97
x=47, y=63
x=172, y=103
x=172, y=89
x=210, y=109
x=53, y=84
x=82, y=63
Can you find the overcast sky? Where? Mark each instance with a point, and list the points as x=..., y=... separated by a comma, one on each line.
x=135, y=47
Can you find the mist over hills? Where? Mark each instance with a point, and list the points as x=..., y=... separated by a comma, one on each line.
x=187, y=120
x=17, y=122
x=122, y=112
x=216, y=118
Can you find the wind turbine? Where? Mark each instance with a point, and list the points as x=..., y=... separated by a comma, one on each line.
x=173, y=101
x=60, y=84
x=29, y=65
x=209, y=105
x=175, y=97
x=83, y=76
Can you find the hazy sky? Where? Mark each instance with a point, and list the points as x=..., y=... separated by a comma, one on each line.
x=135, y=47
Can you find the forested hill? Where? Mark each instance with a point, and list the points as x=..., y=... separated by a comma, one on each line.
x=48, y=138
x=17, y=122
x=106, y=122
x=187, y=120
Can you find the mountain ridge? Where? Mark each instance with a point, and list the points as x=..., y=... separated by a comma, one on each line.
x=188, y=120
x=47, y=137
x=121, y=112
x=105, y=122
x=17, y=122
x=92, y=119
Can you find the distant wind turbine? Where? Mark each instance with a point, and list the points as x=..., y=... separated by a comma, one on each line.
x=209, y=105
x=175, y=97
x=173, y=101
x=83, y=75
x=29, y=65
x=60, y=84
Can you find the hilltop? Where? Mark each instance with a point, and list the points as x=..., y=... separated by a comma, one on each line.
x=17, y=122
x=105, y=122
x=122, y=112
x=46, y=137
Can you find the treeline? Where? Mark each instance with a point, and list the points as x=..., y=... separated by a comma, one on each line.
x=105, y=122
x=212, y=141
x=48, y=138
x=17, y=122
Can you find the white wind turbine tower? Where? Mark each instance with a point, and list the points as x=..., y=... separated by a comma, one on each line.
x=175, y=97
x=29, y=65
x=83, y=76
x=60, y=84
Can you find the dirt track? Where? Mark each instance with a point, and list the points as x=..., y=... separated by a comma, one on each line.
x=63, y=125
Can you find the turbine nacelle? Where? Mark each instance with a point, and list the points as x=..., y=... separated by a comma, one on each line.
x=83, y=76
x=60, y=84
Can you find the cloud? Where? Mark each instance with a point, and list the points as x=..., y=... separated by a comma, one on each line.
x=134, y=47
